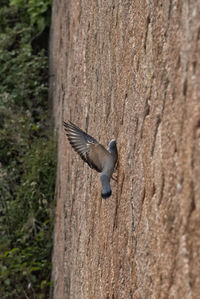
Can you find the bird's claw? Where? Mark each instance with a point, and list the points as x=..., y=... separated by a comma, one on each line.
x=114, y=178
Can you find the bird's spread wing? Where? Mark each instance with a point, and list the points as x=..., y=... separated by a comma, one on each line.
x=86, y=146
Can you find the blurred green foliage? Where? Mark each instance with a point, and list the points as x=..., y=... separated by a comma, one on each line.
x=27, y=151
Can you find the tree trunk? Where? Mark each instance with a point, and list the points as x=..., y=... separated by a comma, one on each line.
x=128, y=70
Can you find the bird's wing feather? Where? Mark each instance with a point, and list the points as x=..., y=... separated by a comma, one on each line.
x=86, y=146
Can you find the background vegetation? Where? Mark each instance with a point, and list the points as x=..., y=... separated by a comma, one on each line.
x=27, y=151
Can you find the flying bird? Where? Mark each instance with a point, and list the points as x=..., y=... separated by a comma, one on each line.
x=94, y=154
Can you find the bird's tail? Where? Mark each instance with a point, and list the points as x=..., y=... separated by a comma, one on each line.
x=105, y=182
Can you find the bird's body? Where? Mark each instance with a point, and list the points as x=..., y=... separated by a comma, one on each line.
x=94, y=154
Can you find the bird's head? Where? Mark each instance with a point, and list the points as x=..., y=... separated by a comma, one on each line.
x=112, y=144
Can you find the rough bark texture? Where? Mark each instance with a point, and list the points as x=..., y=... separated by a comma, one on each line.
x=129, y=70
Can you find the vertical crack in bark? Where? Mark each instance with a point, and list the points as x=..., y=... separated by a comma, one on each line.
x=158, y=121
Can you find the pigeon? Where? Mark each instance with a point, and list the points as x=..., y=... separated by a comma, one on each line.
x=94, y=154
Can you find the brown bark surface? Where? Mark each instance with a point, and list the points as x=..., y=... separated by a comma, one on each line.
x=128, y=70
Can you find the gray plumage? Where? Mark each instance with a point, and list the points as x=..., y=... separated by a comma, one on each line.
x=94, y=154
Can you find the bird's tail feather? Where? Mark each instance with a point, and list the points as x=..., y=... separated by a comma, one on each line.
x=105, y=182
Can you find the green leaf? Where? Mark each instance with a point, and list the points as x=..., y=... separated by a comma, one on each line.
x=7, y=282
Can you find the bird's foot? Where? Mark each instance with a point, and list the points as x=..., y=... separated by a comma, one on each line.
x=114, y=178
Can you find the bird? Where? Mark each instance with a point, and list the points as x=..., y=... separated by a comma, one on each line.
x=94, y=154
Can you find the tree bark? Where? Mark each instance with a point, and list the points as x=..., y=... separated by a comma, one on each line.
x=128, y=70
